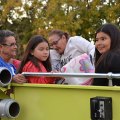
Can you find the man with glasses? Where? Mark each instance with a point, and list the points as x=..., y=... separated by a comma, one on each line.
x=69, y=47
x=8, y=48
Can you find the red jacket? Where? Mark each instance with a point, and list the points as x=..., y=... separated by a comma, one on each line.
x=16, y=63
x=30, y=67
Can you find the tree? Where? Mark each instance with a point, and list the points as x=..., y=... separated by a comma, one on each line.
x=78, y=17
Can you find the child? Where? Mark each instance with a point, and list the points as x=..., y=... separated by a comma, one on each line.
x=36, y=58
x=107, y=54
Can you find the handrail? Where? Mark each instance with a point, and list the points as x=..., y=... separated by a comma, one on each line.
x=92, y=75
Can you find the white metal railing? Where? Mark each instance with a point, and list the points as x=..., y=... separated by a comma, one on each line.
x=92, y=75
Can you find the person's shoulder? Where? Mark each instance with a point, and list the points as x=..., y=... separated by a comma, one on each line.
x=29, y=64
x=54, y=54
x=114, y=54
x=16, y=62
x=78, y=39
x=29, y=67
x=114, y=57
x=2, y=62
x=115, y=62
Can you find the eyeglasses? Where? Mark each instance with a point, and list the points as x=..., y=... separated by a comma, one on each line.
x=55, y=42
x=10, y=45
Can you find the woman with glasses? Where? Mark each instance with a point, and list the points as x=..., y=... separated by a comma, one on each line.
x=8, y=48
x=69, y=47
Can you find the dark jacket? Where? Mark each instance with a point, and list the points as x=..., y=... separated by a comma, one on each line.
x=112, y=64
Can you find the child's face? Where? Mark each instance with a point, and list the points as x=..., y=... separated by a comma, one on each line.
x=41, y=51
x=103, y=42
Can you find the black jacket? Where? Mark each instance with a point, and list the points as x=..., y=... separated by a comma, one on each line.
x=112, y=64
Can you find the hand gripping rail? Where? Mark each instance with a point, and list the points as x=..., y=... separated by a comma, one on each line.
x=5, y=76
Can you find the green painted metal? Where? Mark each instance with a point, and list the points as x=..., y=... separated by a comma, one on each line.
x=2, y=93
x=61, y=102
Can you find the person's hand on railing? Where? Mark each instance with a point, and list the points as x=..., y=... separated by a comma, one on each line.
x=19, y=78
